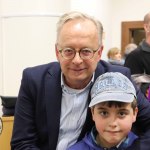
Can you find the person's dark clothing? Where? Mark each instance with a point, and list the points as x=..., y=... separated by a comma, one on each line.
x=139, y=60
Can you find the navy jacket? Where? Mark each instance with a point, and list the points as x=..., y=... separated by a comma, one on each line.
x=88, y=143
x=37, y=114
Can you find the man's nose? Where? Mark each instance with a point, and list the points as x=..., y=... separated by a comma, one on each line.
x=77, y=59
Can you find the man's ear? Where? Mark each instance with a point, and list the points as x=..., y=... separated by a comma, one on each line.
x=56, y=52
x=100, y=52
x=102, y=47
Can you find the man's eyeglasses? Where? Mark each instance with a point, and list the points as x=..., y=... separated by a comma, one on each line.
x=85, y=53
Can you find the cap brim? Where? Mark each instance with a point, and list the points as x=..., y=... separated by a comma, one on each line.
x=119, y=97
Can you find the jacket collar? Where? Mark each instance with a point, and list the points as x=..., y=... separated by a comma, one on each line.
x=53, y=103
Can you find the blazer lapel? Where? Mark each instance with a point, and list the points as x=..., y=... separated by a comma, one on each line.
x=53, y=95
x=99, y=70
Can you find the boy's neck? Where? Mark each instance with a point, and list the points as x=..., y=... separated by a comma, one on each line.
x=100, y=143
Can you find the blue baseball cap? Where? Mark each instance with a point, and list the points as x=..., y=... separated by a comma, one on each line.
x=112, y=86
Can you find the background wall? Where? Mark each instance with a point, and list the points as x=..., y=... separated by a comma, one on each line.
x=126, y=10
x=27, y=38
x=1, y=54
x=28, y=31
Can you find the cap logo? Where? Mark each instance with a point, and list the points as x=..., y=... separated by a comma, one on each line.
x=110, y=84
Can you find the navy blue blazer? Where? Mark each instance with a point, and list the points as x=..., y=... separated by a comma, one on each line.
x=38, y=108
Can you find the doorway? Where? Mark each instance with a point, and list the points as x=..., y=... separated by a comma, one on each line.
x=131, y=32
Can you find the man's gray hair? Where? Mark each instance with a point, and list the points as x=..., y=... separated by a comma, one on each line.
x=78, y=15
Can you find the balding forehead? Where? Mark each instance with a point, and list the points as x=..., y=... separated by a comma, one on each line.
x=147, y=18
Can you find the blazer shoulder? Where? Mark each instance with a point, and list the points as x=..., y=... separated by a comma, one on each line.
x=43, y=68
x=112, y=68
x=38, y=73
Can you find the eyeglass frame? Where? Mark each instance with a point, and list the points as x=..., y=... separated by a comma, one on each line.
x=93, y=52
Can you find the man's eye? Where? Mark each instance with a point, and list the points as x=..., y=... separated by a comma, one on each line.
x=68, y=51
x=86, y=51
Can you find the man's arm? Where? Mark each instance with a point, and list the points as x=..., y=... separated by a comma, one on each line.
x=24, y=135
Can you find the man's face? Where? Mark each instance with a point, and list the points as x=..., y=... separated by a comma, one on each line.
x=113, y=123
x=78, y=34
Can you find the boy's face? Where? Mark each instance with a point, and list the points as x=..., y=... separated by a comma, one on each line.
x=113, y=123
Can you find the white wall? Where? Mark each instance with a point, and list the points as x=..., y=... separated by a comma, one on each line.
x=126, y=10
x=1, y=56
x=27, y=38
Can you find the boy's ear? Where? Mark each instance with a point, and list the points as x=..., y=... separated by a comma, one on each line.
x=92, y=112
x=135, y=114
x=56, y=52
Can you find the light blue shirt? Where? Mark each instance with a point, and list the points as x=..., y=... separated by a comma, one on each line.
x=73, y=114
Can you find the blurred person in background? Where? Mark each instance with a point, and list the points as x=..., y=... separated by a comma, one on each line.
x=139, y=60
x=129, y=48
x=114, y=56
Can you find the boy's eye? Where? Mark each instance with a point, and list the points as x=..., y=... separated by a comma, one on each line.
x=122, y=114
x=104, y=113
